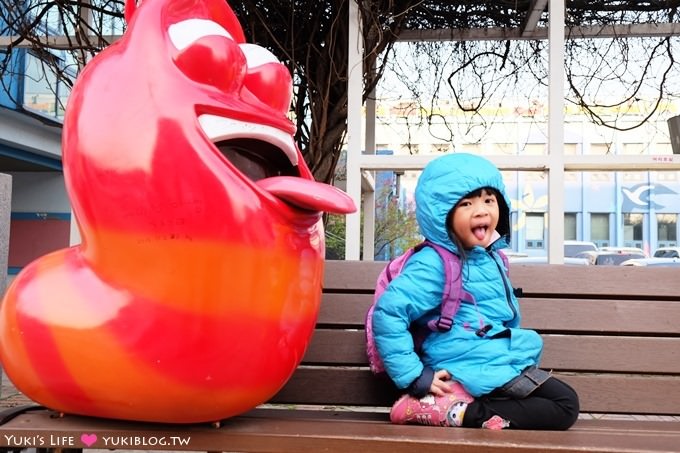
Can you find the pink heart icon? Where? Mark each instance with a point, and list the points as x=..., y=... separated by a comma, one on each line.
x=88, y=439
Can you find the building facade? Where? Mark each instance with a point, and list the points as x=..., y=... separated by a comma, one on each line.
x=32, y=104
x=632, y=208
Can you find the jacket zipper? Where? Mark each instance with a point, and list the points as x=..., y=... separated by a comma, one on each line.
x=506, y=284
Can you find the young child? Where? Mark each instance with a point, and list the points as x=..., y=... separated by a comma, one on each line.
x=484, y=371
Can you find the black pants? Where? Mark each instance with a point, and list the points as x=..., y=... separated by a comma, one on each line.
x=552, y=406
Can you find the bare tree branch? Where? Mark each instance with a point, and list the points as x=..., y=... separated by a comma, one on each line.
x=310, y=37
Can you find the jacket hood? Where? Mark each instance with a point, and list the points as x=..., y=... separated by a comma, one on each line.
x=448, y=179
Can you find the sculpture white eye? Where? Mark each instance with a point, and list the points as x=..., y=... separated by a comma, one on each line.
x=182, y=34
x=257, y=55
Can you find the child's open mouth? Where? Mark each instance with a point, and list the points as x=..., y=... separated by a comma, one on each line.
x=480, y=231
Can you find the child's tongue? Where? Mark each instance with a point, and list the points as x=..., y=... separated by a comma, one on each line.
x=479, y=232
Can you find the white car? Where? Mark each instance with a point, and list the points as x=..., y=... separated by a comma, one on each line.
x=573, y=248
x=667, y=252
x=544, y=260
x=655, y=262
x=624, y=250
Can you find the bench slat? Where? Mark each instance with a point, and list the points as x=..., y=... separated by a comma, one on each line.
x=351, y=275
x=285, y=431
x=605, y=353
x=344, y=309
x=612, y=354
x=604, y=392
x=635, y=394
x=607, y=281
x=599, y=315
x=652, y=317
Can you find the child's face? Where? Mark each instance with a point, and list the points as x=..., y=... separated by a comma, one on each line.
x=475, y=219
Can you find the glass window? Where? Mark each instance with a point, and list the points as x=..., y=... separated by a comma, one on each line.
x=662, y=176
x=441, y=148
x=599, y=229
x=43, y=92
x=535, y=229
x=570, y=226
x=570, y=149
x=632, y=229
x=503, y=148
x=600, y=148
x=473, y=148
x=40, y=86
x=634, y=148
x=63, y=93
x=663, y=148
x=572, y=176
x=410, y=148
x=667, y=228
x=600, y=177
x=636, y=176
x=108, y=16
x=52, y=19
x=533, y=149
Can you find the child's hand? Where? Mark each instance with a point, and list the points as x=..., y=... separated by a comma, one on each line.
x=440, y=384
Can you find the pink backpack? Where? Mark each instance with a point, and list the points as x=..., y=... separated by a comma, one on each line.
x=452, y=295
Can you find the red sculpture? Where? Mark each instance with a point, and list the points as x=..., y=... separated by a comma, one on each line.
x=195, y=290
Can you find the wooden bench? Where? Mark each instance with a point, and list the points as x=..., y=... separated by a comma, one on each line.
x=613, y=333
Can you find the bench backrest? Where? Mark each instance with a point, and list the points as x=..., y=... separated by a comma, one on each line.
x=611, y=332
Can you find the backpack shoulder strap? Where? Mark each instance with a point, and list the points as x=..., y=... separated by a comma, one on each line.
x=453, y=290
x=506, y=262
x=452, y=293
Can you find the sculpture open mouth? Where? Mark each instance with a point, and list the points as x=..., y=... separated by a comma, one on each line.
x=255, y=159
x=256, y=150
x=268, y=157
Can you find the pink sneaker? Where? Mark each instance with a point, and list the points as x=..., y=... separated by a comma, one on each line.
x=495, y=423
x=447, y=410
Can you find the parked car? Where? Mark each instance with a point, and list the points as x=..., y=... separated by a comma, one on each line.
x=655, y=262
x=613, y=257
x=573, y=248
x=667, y=252
x=512, y=254
x=544, y=260
x=624, y=250
x=589, y=255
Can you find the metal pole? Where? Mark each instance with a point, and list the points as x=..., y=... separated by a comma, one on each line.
x=354, y=101
x=556, y=133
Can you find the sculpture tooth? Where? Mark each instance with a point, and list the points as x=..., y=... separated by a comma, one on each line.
x=218, y=128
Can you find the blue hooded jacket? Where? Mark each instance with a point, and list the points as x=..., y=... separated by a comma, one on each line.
x=480, y=363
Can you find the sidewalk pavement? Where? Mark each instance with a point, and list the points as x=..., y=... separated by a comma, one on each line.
x=9, y=395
